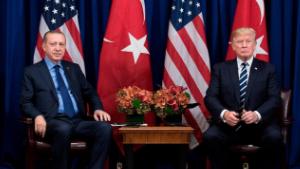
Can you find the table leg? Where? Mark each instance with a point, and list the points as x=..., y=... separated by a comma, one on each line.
x=129, y=156
x=182, y=156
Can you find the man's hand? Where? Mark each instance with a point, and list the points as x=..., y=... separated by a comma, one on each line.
x=100, y=115
x=40, y=125
x=231, y=118
x=249, y=117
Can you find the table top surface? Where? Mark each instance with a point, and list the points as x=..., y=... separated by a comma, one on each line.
x=156, y=128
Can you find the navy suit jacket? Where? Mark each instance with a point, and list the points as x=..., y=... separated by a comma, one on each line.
x=38, y=96
x=263, y=93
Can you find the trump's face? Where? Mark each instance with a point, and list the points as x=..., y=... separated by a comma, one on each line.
x=244, y=45
x=54, y=46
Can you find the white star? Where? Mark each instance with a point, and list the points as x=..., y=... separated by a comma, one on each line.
x=62, y=14
x=189, y=13
x=173, y=7
x=54, y=11
x=53, y=21
x=182, y=1
x=57, y=1
x=181, y=10
x=136, y=46
x=72, y=7
x=191, y=2
x=179, y=20
x=259, y=49
x=46, y=8
x=63, y=5
x=198, y=4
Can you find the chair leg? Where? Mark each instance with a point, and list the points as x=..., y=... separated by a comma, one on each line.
x=245, y=165
x=30, y=158
x=245, y=162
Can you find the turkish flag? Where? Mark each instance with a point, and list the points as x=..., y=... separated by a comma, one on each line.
x=124, y=59
x=251, y=13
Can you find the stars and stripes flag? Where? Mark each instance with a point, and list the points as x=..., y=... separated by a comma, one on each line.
x=61, y=15
x=187, y=61
x=251, y=13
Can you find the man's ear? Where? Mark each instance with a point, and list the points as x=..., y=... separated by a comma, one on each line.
x=232, y=46
x=43, y=46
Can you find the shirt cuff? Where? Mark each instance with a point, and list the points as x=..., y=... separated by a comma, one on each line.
x=258, y=115
x=222, y=115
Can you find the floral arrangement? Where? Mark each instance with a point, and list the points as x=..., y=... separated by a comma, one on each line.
x=134, y=100
x=171, y=100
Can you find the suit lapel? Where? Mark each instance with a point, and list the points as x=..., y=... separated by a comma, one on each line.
x=254, y=73
x=67, y=70
x=45, y=74
x=234, y=75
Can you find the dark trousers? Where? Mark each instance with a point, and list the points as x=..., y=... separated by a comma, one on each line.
x=61, y=130
x=218, y=139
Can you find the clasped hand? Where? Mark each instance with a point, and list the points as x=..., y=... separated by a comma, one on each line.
x=232, y=118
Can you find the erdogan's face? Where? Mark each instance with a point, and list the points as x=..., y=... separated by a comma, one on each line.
x=55, y=46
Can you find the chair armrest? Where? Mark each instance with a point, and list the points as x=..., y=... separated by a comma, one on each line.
x=286, y=122
x=285, y=126
x=27, y=120
x=29, y=123
x=285, y=115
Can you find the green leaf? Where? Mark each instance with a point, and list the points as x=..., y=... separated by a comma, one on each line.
x=169, y=110
x=187, y=95
x=136, y=103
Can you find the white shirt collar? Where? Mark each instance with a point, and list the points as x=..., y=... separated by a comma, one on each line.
x=249, y=61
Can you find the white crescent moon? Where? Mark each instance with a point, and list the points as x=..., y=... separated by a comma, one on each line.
x=261, y=6
x=107, y=40
x=143, y=6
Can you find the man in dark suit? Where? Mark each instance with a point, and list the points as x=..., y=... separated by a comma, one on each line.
x=54, y=94
x=243, y=98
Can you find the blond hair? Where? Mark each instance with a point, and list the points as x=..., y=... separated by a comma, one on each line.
x=242, y=31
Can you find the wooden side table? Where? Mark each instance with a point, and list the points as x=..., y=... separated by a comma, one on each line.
x=155, y=135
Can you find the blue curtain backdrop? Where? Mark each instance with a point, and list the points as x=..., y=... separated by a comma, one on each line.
x=19, y=27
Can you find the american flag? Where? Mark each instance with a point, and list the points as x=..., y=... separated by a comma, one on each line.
x=187, y=61
x=61, y=15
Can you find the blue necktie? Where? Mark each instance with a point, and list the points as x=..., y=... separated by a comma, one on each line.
x=67, y=102
x=243, y=85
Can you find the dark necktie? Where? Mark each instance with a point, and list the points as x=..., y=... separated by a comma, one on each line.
x=67, y=102
x=243, y=85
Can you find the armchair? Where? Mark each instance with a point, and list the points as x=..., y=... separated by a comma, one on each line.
x=37, y=147
x=246, y=151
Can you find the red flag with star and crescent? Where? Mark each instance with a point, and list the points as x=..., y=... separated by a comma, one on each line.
x=124, y=58
x=251, y=13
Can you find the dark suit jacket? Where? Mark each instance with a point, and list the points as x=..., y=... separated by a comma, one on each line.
x=39, y=95
x=263, y=93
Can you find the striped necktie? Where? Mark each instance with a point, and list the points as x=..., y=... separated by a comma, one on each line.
x=243, y=84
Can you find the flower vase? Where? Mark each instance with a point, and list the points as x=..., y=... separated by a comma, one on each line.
x=162, y=121
x=174, y=119
x=161, y=117
x=135, y=118
x=169, y=119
